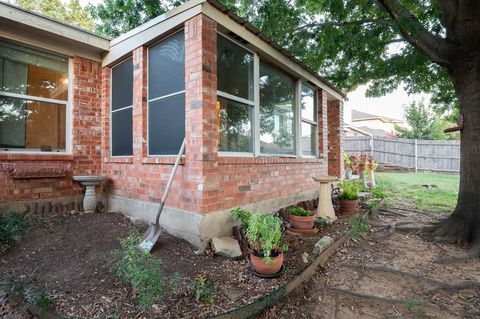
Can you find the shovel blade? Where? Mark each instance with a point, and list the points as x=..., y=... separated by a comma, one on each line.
x=150, y=238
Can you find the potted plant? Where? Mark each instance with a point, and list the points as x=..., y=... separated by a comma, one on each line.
x=264, y=235
x=301, y=218
x=362, y=163
x=372, y=166
x=348, y=163
x=348, y=197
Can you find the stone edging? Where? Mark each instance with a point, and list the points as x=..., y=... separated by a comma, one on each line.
x=265, y=302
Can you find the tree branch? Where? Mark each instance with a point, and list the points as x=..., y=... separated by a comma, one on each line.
x=434, y=47
x=337, y=24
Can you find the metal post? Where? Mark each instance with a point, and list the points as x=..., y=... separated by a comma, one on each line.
x=416, y=156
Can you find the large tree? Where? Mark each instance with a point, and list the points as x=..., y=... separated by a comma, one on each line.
x=423, y=45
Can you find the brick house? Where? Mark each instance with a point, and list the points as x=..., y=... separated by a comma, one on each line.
x=258, y=123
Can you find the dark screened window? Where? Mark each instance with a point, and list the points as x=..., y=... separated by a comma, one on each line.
x=166, y=95
x=122, y=108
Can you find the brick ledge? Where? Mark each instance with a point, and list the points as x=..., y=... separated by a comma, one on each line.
x=227, y=160
x=36, y=157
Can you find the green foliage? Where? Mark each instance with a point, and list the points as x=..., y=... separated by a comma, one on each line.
x=378, y=192
x=119, y=16
x=204, y=290
x=143, y=271
x=12, y=225
x=424, y=124
x=414, y=306
x=43, y=300
x=359, y=226
x=264, y=234
x=349, y=189
x=298, y=211
x=243, y=216
x=67, y=11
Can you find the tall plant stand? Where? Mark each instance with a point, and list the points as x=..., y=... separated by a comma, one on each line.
x=325, y=208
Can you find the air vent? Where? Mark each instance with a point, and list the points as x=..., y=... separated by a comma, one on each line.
x=237, y=37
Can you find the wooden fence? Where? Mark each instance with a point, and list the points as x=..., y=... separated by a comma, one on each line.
x=415, y=154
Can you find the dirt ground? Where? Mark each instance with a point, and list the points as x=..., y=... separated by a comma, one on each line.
x=72, y=260
x=389, y=273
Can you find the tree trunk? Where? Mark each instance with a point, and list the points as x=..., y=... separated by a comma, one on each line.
x=464, y=224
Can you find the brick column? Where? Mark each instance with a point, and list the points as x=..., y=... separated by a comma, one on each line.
x=201, y=125
x=322, y=125
x=139, y=111
x=335, y=138
x=105, y=105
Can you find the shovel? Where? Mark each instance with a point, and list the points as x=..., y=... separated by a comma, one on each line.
x=154, y=231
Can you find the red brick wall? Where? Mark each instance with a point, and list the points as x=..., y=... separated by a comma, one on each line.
x=86, y=141
x=335, y=138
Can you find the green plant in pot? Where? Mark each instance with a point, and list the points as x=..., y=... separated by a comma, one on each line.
x=348, y=197
x=264, y=235
x=301, y=218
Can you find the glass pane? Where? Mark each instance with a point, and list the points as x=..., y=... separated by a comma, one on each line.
x=32, y=125
x=31, y=72
x=122, y=138
x=307, y=139
x=235, y=126
x=166, y=125
x=234, y=69
x=277, y=91
x=122, y=85
x=308, y=103
x=166, y=66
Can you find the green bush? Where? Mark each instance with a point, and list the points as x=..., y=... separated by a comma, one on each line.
x=349, y=189
x=143, y=271
x=242, y=216
x=12, y=225
x=378, y=192
x=359, y=226
x=298, y=211
x=204, y=290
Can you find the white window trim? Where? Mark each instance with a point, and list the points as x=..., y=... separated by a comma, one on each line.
x=160, y=97
x=68, y=118
x=120, y=109
x=308, y=121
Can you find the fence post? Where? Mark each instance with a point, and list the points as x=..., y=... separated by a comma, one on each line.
x=371, y=146
x=416, y=155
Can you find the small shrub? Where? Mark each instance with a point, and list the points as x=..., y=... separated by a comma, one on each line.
x=378, y=192
x=414, y=306
x=42, y=300
x=143, y=271
x=298, y=211
x=349, y=189
x=12, y=225
x=243, y=216
x=203, y=289
x=359, y=227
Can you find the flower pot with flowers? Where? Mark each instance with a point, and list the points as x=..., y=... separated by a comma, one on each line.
x=348, y=165
x=362, y=164
x=372, y=166
x=348, y=197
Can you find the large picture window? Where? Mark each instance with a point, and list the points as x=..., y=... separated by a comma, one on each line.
x=308, y=128
x=122, y=108
x=33, y=99
x=235, y=74
x=166, y=95
x=277, y=96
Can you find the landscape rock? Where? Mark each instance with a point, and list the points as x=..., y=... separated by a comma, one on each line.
x=226, y=246
x=322, y=244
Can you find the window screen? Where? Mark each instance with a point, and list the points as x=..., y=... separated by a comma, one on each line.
x=122, y=108
x=166, y=97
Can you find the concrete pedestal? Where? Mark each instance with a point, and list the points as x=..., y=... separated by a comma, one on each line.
x=325, y=207
x=90, y=197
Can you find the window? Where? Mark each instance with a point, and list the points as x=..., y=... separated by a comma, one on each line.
x=33, y=99
x=277, y=95
x=235, y=74
x=122, y=108
x=308, y=128
x=166, y=95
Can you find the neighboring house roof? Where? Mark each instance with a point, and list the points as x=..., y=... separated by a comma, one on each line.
x=362, y=116
x=29, y=27
x=374, y=131
x=356, y=129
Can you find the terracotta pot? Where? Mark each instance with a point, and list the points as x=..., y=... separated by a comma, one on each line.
x=348, y=206
x=302, y=222
x=361, y=167
x=266, y=269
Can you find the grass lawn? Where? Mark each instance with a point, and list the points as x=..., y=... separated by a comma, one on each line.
x=441, y=199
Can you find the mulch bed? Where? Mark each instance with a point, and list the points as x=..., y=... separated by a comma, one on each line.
x=73, y=260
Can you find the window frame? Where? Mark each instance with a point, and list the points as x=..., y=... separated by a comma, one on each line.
x=120, y=109
x=67, y=103
x=160, y=97
x=256, y=109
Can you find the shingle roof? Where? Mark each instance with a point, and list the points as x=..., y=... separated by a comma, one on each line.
x=357, y=116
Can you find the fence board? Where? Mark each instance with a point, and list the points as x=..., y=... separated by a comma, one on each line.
x=416, y=154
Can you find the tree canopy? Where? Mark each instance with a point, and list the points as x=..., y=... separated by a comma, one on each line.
x=70, y=11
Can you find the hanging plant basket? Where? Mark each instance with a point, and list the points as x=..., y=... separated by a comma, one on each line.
x=36, y=170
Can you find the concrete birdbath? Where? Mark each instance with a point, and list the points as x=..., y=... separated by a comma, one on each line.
x=325, y=208
x=90, y=198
